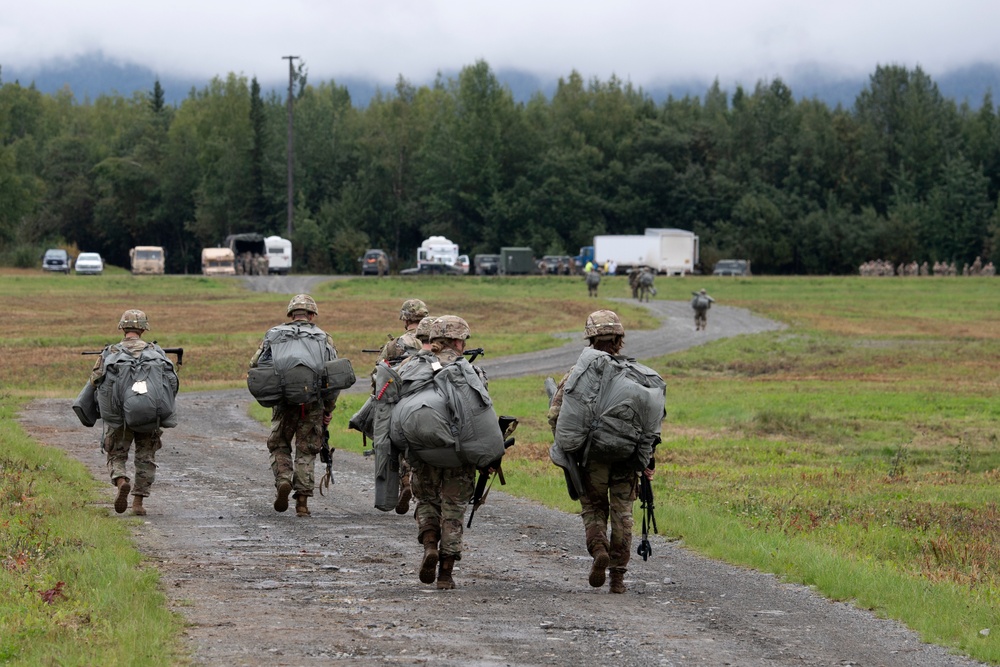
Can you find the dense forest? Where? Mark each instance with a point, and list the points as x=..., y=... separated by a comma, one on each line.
x=795, y=186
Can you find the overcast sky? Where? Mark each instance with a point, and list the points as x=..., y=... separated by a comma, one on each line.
x=643, y=41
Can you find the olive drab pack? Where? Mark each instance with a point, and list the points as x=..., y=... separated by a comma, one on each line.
x=373, y=419
x=444, y=415
x=700, y=302
x=297, y=366
x=612, y=410
x=646, y=279
x=138, y=391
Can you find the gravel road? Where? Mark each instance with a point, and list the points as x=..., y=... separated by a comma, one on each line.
x=262, y=588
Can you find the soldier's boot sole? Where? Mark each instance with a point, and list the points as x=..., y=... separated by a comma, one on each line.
x=428, y=566
x=599, y=569
x=403, y=504
x=121, y=500
x=281, y=501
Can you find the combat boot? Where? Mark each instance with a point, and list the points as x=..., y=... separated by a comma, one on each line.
x=121, y=500
x=137, y=507
x=617, y=581
x=429, y=564
x=598, y=569
x=301, y=506
x=445, y=582
x=281, y=500
x=403, y=505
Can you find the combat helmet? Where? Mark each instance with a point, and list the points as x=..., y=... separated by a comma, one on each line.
x=450, y=326
x=413, y=309
x=302, y=302
x=133, y=320
x=423, y=331
x=603, y=323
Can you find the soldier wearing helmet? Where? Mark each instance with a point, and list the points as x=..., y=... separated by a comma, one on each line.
x=701, y=302
x=118, y=440
x=395, y=352
x=423, y=332
x=611, y=488
x=305, y=424
x=443, y=494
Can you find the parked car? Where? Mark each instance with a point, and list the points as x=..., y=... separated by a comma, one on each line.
x=487, y=265
x=732, y=267
x=56, y=259
x=432, y=270
x=369, y=263
x=90, y=263
x=557, y=264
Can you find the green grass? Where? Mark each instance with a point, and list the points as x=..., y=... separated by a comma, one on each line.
x=855, y=451
x=73, y=588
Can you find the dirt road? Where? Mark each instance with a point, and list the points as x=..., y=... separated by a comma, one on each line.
x=262, y=588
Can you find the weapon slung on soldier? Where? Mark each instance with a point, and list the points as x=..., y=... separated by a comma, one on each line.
x=179, y=351
x=326, y=456
x=574, y=482
x=645, y=549
x=479, y=352
x=486, y=475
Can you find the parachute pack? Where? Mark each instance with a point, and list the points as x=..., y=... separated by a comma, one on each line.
x=612, y=410
x=445, y=417
x=138, y=391
x=700, y=302
x=298, y=366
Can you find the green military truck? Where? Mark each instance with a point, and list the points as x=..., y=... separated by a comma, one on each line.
x=517, y=261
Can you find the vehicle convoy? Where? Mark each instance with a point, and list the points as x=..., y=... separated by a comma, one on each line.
x=89, y=263
x=670, y=251
x=147, y=260
x=279, y=255
x=56, y=259
x=218, y=262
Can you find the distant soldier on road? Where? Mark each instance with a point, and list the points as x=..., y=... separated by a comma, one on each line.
x=701, y=302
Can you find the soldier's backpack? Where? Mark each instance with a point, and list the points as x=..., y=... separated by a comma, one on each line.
x=700, y=302
x=593, y=278
x=646, y=279
x=297, y=366
x=138, y=391
x=612, y=410
x=444, y=415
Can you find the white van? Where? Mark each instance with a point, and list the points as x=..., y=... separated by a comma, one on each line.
x=279, y=255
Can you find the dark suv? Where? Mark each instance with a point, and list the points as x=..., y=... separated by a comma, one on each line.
x=56, y=259
x=487, y=265
x=732, y=267
x=369, y=263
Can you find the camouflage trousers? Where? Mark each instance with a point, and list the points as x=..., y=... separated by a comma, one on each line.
x=442, y=494
x=304, y=424
x=404, y=475
x=116, y=444
x=610, y=493
x=700, y=319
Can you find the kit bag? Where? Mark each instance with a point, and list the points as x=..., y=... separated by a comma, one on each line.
x=297, y=366
x=138, y=391
x=612, y=410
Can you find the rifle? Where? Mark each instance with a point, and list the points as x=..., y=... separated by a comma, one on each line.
x=486, y=475
x=179, y=351
x=477, y=352
x=326, y=456
x=648, y=515
x=574, y=483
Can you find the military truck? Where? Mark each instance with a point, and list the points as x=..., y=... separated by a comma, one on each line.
x=148, y=260
x=218, y=262
x=517, y=261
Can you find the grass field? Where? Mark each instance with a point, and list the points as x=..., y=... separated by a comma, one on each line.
x=855, y=451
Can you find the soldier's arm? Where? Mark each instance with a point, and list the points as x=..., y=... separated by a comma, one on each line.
x=555, y=405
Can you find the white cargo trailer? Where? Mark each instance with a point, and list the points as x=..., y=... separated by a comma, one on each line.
x=670, y=251
x=677, y=250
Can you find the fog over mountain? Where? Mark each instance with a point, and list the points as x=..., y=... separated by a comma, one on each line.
x=92, y=75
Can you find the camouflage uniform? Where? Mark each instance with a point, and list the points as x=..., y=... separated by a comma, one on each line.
x=610, y=490
x=303, y=423
x=701, y=314
x=118, y=440
x=443, y=494
x=394, y=352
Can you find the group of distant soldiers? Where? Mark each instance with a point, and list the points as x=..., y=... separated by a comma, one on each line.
x=251, y=264
x=881, y=267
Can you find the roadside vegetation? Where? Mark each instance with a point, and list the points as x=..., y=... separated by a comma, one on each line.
x=855, y=451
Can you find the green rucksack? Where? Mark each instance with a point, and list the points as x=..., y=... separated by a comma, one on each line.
x=138, y=391
x=612, y=410
x=298, y=366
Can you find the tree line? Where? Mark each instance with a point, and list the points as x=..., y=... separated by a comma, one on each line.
x=795, y=186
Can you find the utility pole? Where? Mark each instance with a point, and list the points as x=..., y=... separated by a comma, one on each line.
x=291, y=144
